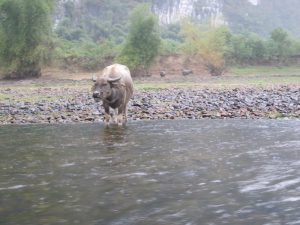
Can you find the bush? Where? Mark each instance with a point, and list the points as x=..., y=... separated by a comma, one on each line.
x=211, y=45
x=248, y=48
x=171, y=32
x=279, y=45
x=169, y=47
x=85, y=54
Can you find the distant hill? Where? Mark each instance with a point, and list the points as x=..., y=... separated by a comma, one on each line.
x=102, y=19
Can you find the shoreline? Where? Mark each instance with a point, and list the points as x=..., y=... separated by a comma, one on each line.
x=65, y=105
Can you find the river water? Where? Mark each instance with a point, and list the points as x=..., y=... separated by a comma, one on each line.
x=151, y=173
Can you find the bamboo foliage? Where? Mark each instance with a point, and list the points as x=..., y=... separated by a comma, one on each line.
x=25, y=36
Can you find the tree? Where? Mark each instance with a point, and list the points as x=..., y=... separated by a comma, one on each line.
x=25, y=36
x=142, y=43
x=279, y=45
x=210, y=44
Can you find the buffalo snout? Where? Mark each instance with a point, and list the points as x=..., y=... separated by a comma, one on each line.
x=96, y=94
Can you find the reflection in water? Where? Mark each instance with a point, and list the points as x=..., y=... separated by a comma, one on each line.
x=166, y=172
x=113, y=136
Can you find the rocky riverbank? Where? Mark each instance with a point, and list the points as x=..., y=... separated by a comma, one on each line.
x=71, y=105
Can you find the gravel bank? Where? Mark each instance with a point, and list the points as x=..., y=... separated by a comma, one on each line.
x=57, y=105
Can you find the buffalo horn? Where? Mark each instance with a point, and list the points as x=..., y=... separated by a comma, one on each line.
x=114, y=79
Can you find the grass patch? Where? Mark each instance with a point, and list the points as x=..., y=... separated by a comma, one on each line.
x=146, y=85
x=275, y=115
x=4, y=97
x=265, y=70
x=222, y=82
x=31, y=93
x=35, y=98
x=258, y=76
x=263, y=81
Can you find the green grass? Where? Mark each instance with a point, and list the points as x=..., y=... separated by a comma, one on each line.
x=238, y=77
x=4, y=97
x=262, y=81
x=222, y=82
x=30, y=92
x=146, y=85
x=265, y=70
x=36, y=98
x=192, y=82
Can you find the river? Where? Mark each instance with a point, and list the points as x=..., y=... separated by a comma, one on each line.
x=184, y=172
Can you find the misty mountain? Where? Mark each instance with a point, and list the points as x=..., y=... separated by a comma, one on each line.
x=102, y=19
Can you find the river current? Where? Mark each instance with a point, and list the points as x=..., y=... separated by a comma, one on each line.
x=185, y=172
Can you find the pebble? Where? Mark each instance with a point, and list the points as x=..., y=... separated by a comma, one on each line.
x=157, y=104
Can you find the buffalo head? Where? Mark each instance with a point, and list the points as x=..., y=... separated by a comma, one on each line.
x=102, y=88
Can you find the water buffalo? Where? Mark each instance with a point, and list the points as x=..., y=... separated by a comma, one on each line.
x=114, y=88
x=186, y=72
x=162, y=73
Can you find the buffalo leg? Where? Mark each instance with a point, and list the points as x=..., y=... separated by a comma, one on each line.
x=106, y=115
x=125, y=114
x=115, y=116
x=120, y=116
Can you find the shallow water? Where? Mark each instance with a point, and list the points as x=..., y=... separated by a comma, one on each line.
x=151, y=173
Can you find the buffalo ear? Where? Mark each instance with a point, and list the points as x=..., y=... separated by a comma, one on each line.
x=111, y=80
x=94, y=78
